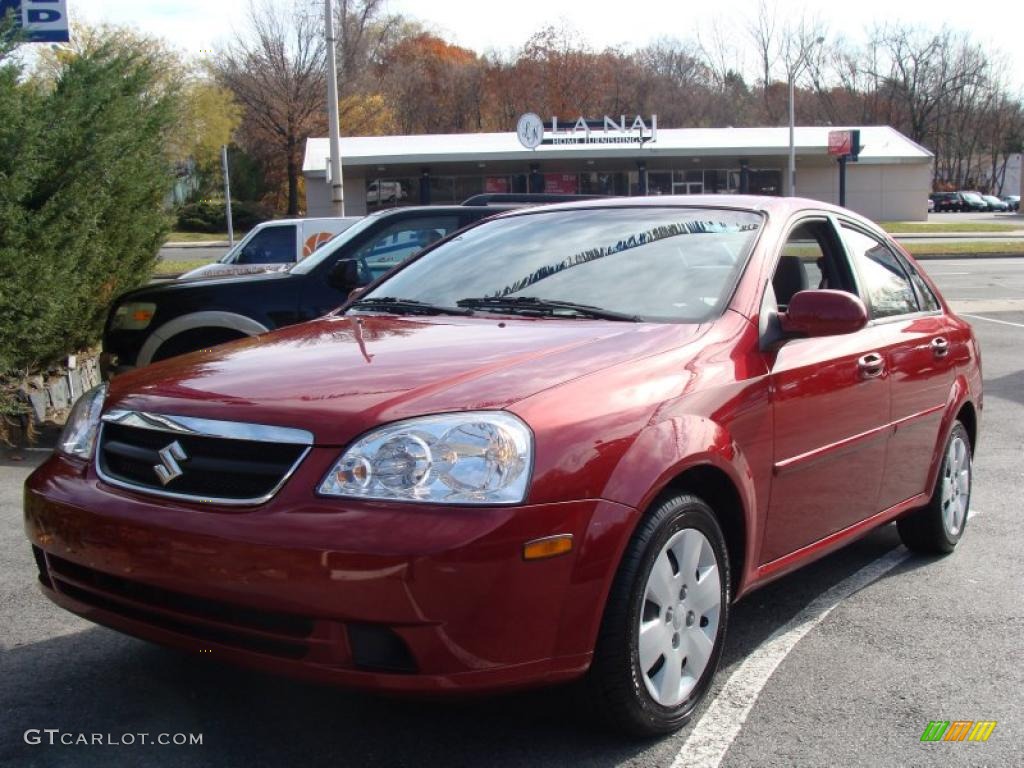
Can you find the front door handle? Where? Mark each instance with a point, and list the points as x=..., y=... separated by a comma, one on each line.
x=871, y=365
x=940, y=346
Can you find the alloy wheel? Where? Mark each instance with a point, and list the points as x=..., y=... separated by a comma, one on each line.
x=679, y=617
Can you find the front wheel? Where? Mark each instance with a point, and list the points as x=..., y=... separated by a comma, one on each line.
x=664, y=624
x=938, y=527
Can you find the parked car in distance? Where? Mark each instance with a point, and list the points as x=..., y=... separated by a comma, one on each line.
x=1012, y=201
x=274, y=244
x=995, y=204
x=558, y=445
x=947, y=202
x=201, y=310
x=385, y=192
x=931, y=205
x=958, y=202
x=972, y=201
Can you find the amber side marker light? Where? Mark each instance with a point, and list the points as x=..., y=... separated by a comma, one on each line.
x=549, y=546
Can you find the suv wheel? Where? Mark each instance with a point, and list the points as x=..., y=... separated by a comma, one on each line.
x=664, y=624
x=938, y=527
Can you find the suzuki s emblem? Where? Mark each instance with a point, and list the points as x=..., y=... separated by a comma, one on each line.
x=168, y=468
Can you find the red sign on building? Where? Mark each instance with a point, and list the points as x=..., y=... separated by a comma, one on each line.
x=840, y=143
x=496, y=184
x=561, y=183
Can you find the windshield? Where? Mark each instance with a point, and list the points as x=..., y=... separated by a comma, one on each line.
x=658, y=264
x=232, y=254
x=312, y=261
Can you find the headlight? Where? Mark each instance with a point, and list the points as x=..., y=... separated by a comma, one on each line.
x=133, y=316
x=79, y=434
x=481, y=457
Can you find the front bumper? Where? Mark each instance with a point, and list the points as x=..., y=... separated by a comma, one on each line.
x=362, y=594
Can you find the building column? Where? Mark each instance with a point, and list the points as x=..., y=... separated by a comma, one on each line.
x=536, y=179
x=425, y=186
x=744, y=177
x=641, y=168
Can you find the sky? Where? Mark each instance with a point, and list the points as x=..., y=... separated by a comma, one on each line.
x=198, y=26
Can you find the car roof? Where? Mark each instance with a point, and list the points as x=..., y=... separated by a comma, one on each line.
x=769, y=205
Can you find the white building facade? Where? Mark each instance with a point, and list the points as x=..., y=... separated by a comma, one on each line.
x=889, y=182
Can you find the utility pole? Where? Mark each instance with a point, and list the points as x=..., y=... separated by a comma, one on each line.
x=790, y=186
x=337, y=190
x=227, y=192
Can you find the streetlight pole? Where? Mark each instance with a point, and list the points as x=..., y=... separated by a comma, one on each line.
x=337, y=188
x=793, y=71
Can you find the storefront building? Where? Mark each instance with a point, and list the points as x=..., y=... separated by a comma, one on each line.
x=890, y=180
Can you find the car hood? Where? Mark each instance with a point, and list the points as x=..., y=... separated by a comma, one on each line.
x=226, y=270
x=162, y=288
x=341, y=375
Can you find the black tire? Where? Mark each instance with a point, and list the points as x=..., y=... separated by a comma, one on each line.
x=926, y=529
x=616, y=683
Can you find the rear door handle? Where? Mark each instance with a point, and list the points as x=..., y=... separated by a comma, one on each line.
x=871, y=365
x=940, y=346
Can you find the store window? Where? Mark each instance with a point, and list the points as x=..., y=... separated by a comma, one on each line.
x=497, y=184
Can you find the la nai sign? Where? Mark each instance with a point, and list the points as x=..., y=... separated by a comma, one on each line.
x=42, y=21
x=533, y=132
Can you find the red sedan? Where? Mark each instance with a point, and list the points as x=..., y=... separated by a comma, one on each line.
x=559, y=443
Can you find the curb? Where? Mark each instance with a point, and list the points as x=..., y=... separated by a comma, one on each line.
x=1018, y=235
x=199, y=244
x=965, y=256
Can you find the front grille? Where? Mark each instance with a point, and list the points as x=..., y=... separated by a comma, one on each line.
x=209, y=467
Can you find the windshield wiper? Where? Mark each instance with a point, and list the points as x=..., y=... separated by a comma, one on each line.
x=533, y=304
x=406, y=307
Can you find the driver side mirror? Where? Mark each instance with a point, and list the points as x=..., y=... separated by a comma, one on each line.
x=345, y=275
x=823, y=312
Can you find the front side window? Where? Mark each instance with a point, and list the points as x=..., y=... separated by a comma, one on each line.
x=888, y=289
x=660, y=264
x=403, y=239
x=273, y=245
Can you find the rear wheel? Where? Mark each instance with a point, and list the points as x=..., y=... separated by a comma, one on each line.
x=937, y=527
x=664, y=625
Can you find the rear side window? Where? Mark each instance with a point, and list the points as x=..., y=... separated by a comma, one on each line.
x=273, y=245
x=925, y=296
x=887, y=287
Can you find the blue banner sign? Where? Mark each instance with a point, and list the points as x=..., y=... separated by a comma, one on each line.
x=43, y=21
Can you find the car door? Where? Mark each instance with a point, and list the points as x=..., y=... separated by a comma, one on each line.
x=830, y=401
x=917, y=341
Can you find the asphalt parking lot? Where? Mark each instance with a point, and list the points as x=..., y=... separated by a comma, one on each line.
x=843, y=663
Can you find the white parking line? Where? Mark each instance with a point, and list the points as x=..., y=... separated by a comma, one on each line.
x=993, y=320
x=715, y=732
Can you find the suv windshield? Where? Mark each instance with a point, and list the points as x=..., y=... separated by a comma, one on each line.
x=659, y=264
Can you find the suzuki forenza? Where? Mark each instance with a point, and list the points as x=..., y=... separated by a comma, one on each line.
x=558, y=444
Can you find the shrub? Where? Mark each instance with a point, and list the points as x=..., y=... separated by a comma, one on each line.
x=210, y=216
x=83, y=178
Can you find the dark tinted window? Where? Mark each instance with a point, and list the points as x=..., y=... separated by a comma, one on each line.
x=273, y=245
x=887, y=287
x=403, y=239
